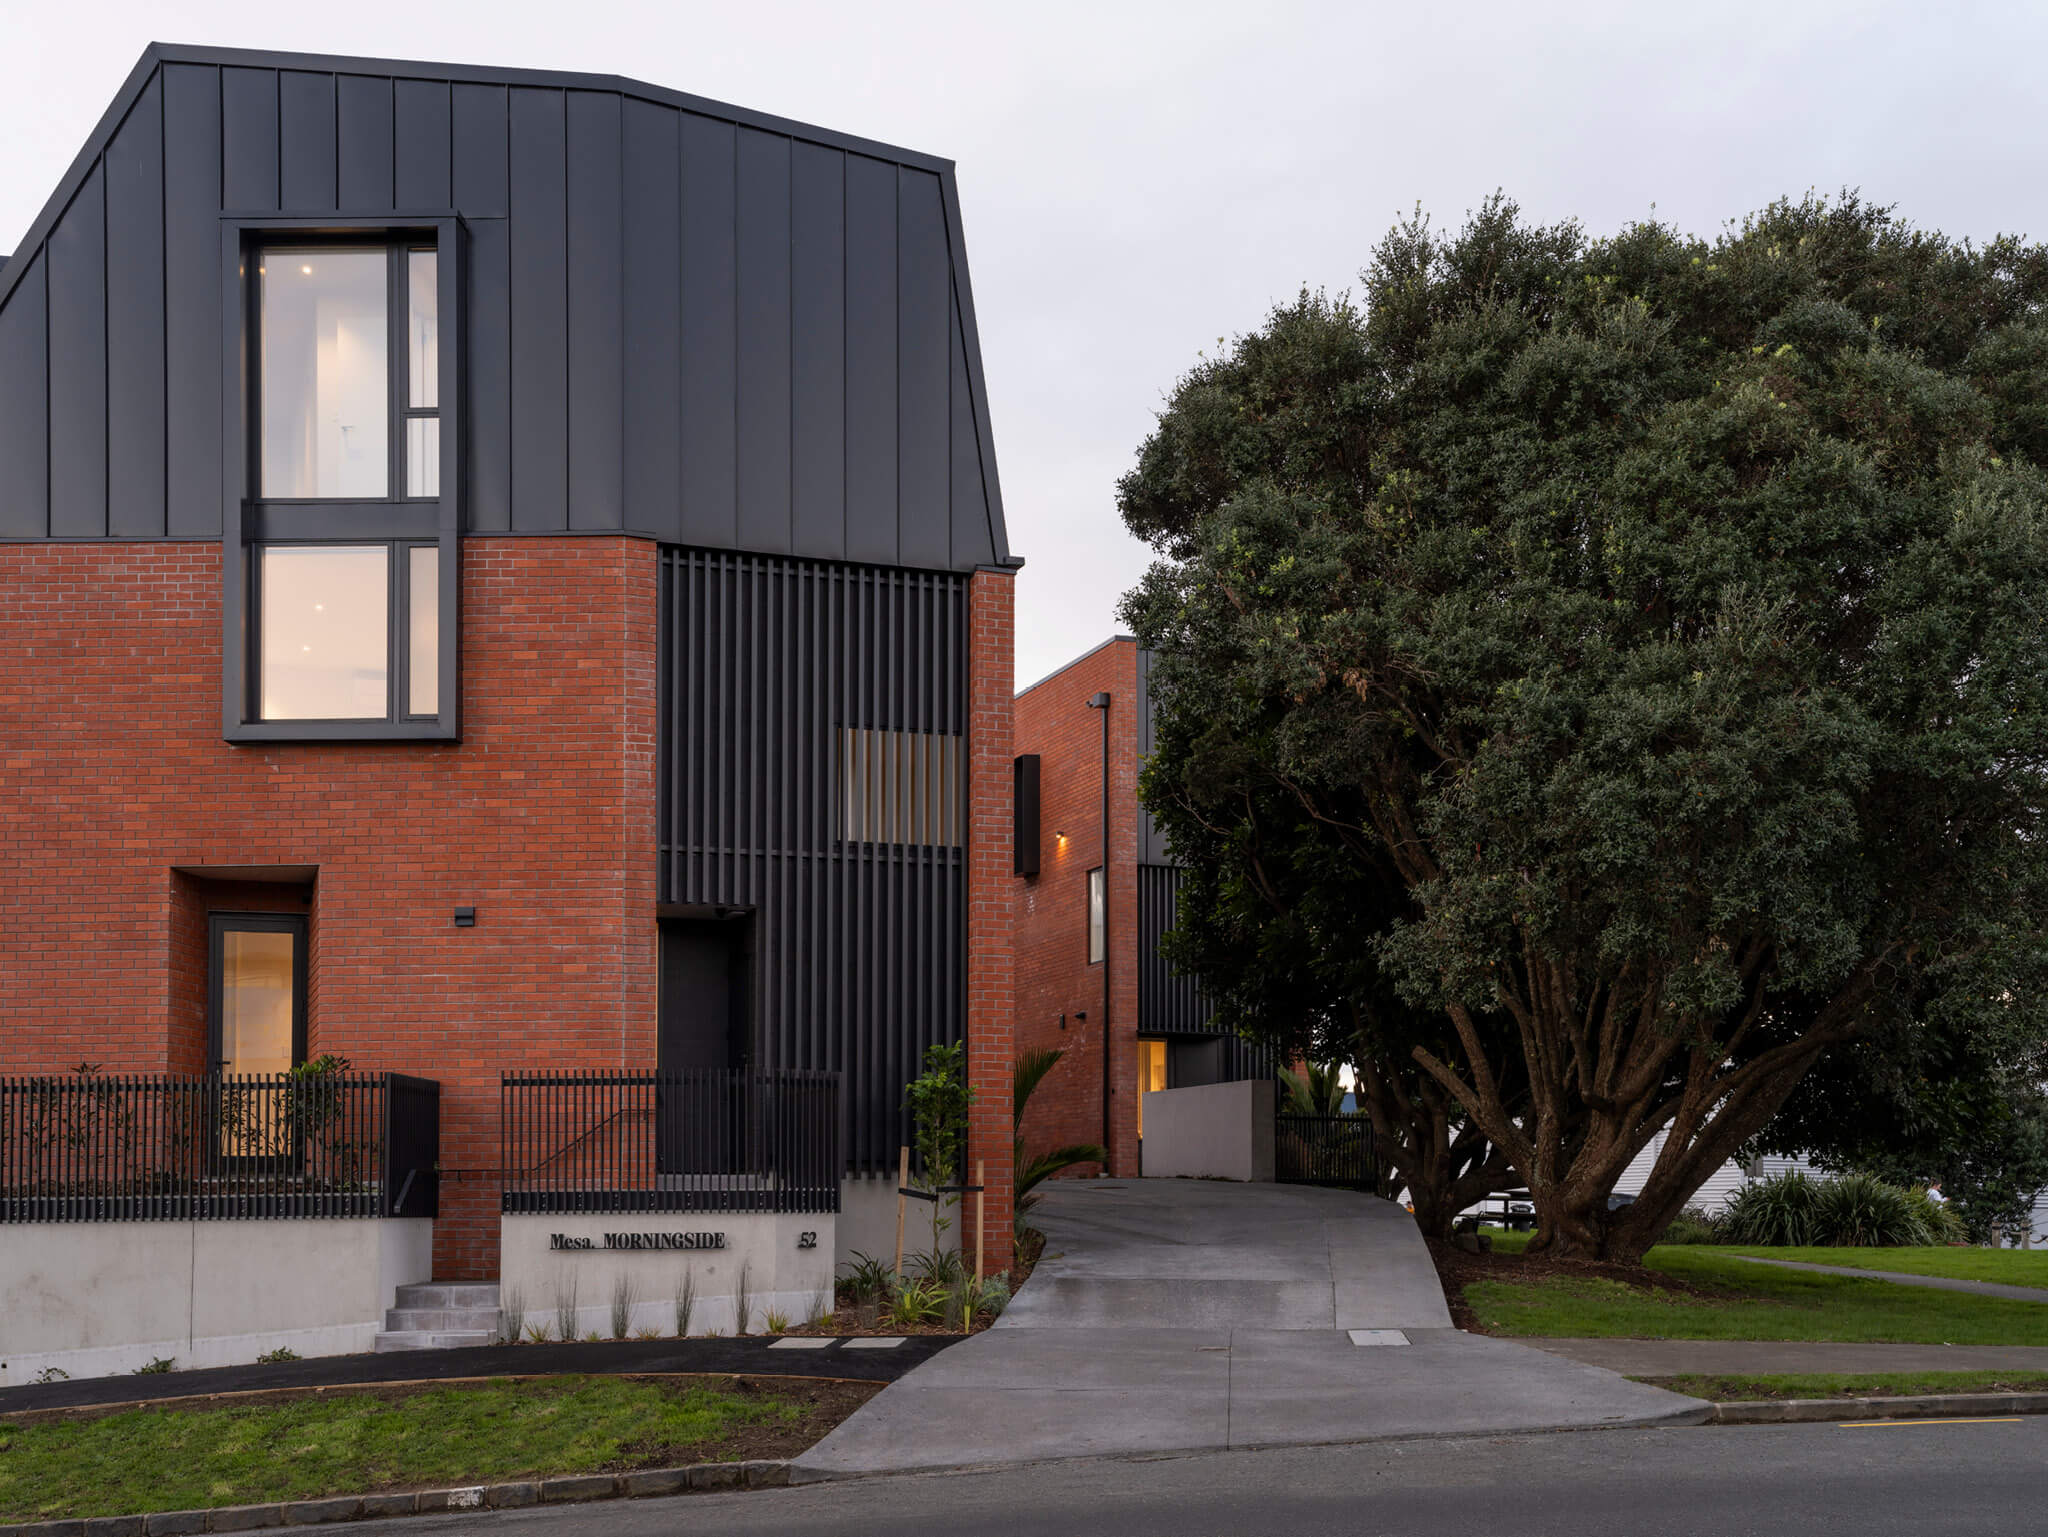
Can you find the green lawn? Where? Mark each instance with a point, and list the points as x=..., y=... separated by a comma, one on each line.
x=355, y=1442
x=2014, y=1267
x=1749, y=1302
x=1735, y=1389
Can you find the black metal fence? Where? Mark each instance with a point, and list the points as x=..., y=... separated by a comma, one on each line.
x=91, y=1147
x=1325, y=1150
x=698, y=1140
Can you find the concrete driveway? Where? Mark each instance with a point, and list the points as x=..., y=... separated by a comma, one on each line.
x=1194, y=1315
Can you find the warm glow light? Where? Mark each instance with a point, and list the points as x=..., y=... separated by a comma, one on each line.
x=307, y=270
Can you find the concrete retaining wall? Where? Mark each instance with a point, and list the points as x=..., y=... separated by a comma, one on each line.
x=97, y=1298
x=782, y=1274
x=1215, y=1131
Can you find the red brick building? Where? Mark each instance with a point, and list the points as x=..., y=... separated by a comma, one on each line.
x=501, y=571
x=1090, y=981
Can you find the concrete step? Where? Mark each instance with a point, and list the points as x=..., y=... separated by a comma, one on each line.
x=449, y=1294
x=432, y=1339
x=439, y=1320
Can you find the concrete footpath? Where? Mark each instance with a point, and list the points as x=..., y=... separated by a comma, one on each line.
x=1906, y=1278
x=1193, y=1315
x=1677, y=1358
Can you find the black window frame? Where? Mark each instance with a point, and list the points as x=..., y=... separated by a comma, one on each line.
x=251, y=522
x=217, y=925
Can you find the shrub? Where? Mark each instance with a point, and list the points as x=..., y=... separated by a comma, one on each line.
x=866, y=1279
x=565, y=1304
x=1780, y=1212
x=917, y=1302
x=277, y=1357
x=776, y=1323
x=1692, y=1226
x=512, y=1315
x=1944, y=1223
x=156, y=1364
x=686, y=1300
x=1860, y=1211
x=944, y=1267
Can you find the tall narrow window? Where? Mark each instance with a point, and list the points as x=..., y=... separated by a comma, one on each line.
x=257, y=986
x=423, y=648
x=344, y=616
x=326, y=402
x=423, y=376
x=1096, y=912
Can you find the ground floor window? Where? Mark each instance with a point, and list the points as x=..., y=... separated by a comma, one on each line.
x=1151, y=1075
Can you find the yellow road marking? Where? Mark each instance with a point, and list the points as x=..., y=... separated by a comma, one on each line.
x=2003, y=1419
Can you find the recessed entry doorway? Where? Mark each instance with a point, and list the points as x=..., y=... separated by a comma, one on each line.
x=703, y=1026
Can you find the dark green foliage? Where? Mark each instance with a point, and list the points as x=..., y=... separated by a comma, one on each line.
x=1029, y=1173
x=1692, y=1226
x=1853, y=1211
x=1599, y=680
x=938, y=1100
x=1782, y=1211
x=1316, y=1090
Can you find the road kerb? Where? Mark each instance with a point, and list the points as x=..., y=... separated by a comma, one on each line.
x=760, y=1473
x=1805, y=1411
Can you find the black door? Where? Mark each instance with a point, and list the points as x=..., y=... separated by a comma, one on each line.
x=702, y=1029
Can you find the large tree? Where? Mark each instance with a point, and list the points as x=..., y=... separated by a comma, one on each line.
x=1605, y=678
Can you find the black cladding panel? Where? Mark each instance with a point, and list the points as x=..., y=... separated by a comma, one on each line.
x=686, y=321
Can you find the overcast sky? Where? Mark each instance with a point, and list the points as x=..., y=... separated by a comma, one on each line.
x=1139, y=180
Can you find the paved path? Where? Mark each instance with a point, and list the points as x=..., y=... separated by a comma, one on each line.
x=1673, y=1358
x=1194, y=1315
x=1906, y=1278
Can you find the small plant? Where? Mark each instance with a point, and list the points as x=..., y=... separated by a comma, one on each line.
x=565, y=1304
x=512, y=1315
x=743, y=1299
x=592, y=1338
x=277, y=1357
x=777, y=1323
x=938, y=1100
x=157, y=1364
x=989, y=1296
x=51, y=1374
x=647, y=1332
x=622, y=1305
x=714, y=1334
x=820, y=1310
x=867, y=1279
x=916, y=1302
x=1026, y=1074
x=536, y=1334
x=945, y=1267
x=686, y=1301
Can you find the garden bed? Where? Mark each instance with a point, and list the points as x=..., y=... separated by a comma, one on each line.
x=309, y=1443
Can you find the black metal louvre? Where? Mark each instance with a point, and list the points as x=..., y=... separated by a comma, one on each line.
x=860, y=946
x=702, y=1140
x=137, y=1147
x=1168, y=1002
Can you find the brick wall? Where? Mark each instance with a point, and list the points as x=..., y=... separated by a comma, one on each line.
x=1055, y=981
x=542, y=818
x=991, y=974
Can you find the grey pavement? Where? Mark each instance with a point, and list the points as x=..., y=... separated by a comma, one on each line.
x=1904, y=1278
x=1174, y=1316
x=1971, y=1480
x=1675, y=1358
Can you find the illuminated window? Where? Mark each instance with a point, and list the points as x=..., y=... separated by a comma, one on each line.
x=900, y=787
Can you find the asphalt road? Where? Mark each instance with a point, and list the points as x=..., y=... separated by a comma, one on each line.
x=1805, y=1480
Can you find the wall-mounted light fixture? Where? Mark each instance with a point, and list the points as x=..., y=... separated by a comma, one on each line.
x=465, y=917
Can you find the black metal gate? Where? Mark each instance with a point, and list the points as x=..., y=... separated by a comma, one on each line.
x=1325, y=1150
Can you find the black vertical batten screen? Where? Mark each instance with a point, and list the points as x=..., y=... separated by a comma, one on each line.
x=861, y=945
x=1024, y=797
x=1168, y=1003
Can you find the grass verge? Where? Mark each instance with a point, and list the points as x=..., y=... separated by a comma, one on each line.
x=1704, y=1293
x=260, y=1448
x=2011, y=1267
x=1741, y=1389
